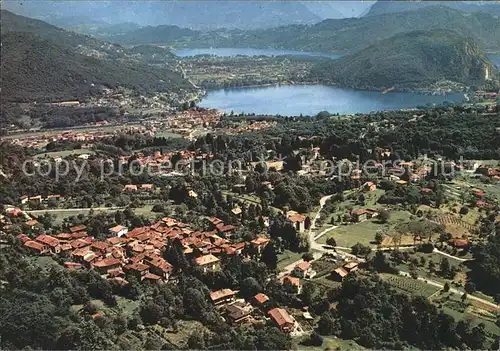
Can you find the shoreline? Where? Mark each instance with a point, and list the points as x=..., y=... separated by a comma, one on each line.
x=331, y=84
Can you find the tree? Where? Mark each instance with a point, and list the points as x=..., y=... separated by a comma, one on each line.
x=444, y=267
x=326, y=324
x=383, y=215
x=464, y=210
x=446, y=287
x=432, y=266
x=379, y=237
x=331, y=241
x=316, y=339
x=308, y=256
x=195, y=303
x=497, y=299
x=158, y=208
x=309, y=293
x=269, y=256
x=360, y=250
x=196, y=340
x=470, y=288
x=249, y=287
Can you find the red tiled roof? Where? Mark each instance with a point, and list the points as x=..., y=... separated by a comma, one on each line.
x=291, y=280
x=459, y=242
x=72, y=265
x=79, y=243
x=34, y=245
x=78, y=228
x=47, y=240
x=280, y=316
x=303, y=266
x=107, y=262
x=261, y=298
x=64, y=236
x=221, y=294
x=139, y=267
x=100, y=245
x=207, y=259
x=151, y=276
x=79, y=235
x=23, y=237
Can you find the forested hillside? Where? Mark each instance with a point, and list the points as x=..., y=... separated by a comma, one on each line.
x=43, y=62
x=410, y=61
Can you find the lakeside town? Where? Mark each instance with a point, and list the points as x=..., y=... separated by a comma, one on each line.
x=250, y=176
x=399, y=208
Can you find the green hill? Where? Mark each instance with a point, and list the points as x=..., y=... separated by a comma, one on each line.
x=39, y=69
x=391, y=6
x=42, y=62
x=410, y=61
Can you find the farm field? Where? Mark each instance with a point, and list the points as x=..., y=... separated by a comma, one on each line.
x=330, y=343
x=64, y=153
x=167, y=134
x=363, y=232
x=327, y=283
x=249, y=199
x=287, y=257
x=409, y=285
x=471, y=310
x=146, y=211
x=64, y=213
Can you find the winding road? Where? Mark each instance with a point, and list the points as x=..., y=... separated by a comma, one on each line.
x=319, y=249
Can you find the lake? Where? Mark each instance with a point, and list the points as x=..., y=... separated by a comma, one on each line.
x=495, y=59
x=227, y=52
x=292, y=100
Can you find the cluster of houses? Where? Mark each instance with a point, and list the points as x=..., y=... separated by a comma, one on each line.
x=87, y=138
x=140, y=251
x=195, y=118
x=161, y=163
x=239, y=311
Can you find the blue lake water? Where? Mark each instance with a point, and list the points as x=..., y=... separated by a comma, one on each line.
x=495, y=59
x=226, y=52
x=292, y=100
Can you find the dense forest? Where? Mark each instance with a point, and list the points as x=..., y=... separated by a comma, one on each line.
x=372, y=313
x=36, y=69
x=410, y=61
x=45, y=63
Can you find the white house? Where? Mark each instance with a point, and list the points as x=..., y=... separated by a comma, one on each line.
x=119, y=230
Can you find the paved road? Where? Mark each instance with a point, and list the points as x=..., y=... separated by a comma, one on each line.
x=74, y=209
x=452, y=257
x=318, y=249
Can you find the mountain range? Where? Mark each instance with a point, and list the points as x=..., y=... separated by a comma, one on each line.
x=202, y=15
x=346, y=35
x=410, y=61
x=392, y=6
